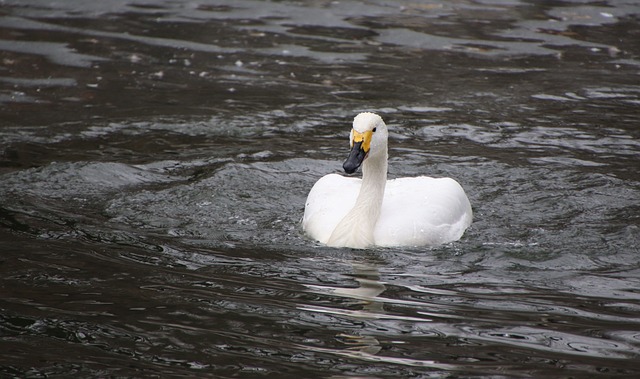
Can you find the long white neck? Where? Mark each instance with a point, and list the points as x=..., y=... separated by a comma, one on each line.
x=374, y=180
x=356, y=228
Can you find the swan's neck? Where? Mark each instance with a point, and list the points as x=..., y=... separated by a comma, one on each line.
x=356, y=228
x=374, y=180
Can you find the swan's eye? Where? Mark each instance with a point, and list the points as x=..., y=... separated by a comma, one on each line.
x=374, y=129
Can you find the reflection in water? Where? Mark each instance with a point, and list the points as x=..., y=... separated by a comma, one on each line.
x=366, y=298
x=369, y=306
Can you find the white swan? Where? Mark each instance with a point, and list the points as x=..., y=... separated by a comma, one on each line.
x=374, y=211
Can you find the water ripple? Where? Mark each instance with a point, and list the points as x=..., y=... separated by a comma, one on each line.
x=155, y=157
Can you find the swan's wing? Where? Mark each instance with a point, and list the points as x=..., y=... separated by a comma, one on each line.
x=422, y=211
x=330, y=199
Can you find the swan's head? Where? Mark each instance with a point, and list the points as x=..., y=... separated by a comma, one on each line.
x=368, y=138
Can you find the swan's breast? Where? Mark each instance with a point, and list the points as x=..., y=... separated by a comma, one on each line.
x=330, y=199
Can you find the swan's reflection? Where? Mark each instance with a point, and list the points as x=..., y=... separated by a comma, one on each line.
x=368, y=277
x=371, y=307
x=370, y=287
x=366, y=294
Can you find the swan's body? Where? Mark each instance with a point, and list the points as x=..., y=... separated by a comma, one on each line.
x=374, y=211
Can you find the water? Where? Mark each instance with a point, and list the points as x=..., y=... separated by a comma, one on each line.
x=155, y=157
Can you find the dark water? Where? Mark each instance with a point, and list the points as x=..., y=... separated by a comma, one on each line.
x=155, y=157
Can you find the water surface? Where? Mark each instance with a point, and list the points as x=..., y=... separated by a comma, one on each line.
x=155, y=157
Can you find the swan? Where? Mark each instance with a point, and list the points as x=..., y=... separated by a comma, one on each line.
x=373, y=211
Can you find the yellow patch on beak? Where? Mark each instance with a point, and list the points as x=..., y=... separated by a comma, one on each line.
x=365, y=138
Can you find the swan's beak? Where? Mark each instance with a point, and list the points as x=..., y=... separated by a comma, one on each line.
x=360, y=143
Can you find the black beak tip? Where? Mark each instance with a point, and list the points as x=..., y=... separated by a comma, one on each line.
x=349, y=167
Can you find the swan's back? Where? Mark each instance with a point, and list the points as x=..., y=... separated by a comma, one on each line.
x=422, y=211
